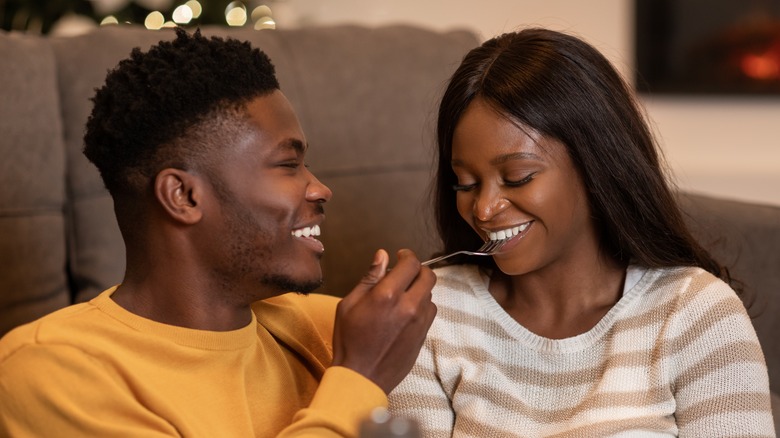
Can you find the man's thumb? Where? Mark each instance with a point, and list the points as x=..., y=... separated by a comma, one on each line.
x=378, y=268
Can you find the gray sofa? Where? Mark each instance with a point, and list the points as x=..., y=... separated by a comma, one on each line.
x=366, y=99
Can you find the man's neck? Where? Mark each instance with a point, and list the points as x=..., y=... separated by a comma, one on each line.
x=182, y=305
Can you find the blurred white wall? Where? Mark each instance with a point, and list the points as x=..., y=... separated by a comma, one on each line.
x=726, y=147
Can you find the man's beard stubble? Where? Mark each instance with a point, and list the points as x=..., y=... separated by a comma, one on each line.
x=245, y=256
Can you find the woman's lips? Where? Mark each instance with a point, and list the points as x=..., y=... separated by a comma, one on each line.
x=515, y=240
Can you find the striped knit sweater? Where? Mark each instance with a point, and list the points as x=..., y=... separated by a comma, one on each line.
x=676, y=356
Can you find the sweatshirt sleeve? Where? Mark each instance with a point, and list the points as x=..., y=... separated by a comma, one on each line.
x=343, y=399
x=59, y=391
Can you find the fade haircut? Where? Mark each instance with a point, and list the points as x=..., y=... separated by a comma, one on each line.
x=148, y=114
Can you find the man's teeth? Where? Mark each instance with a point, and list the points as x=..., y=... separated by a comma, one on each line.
x=307, y=231
x=506, y=234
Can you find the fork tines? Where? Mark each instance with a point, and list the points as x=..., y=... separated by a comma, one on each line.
x=492, y=245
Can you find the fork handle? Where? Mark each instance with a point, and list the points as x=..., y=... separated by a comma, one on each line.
x=434, y=260
x=446, y=256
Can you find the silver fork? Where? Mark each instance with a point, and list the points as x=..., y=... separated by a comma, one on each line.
x=488, y=248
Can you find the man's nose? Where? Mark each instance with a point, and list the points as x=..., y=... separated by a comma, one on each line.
x=317, y=191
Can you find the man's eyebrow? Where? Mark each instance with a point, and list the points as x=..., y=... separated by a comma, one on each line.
x=501, y=159
x=295, y=144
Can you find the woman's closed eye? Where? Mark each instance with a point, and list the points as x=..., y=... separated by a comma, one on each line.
x=507, y=182
x=521, y=181
x=463, y=187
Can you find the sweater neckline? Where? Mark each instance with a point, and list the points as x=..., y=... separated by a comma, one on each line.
x=194, y=338
x=638, y=280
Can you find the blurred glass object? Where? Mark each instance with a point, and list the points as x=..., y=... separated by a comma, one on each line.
x=380, y=424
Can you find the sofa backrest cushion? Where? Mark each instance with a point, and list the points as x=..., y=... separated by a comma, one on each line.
x=33, y=278
x=95, y=246
x=745, y=238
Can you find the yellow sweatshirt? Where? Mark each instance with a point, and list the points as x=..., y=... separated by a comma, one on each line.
x=97, y=370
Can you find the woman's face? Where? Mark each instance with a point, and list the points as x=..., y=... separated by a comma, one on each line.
x=511, y=179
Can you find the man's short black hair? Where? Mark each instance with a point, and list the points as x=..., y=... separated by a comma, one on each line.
x=152, y=103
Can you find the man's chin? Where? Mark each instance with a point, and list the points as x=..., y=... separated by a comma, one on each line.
x=306, y=289
x=303, y=287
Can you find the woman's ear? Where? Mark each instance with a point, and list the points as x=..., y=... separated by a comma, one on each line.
x=179, y=194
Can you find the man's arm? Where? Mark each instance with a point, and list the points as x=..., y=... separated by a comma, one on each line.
x=381, y=325
x=343, y=399
x=379, y=330
x=60, y=391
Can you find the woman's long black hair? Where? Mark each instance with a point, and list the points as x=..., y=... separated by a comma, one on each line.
x=564, y=88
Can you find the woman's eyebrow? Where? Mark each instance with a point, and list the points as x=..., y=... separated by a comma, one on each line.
x=504, y=158
x=515, y=156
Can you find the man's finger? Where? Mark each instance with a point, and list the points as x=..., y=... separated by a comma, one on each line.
x=377, y=270
x=420, y=289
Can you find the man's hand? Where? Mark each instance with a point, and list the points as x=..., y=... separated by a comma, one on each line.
x=381, y=325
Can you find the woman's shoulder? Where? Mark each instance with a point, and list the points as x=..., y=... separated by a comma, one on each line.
x=692, y=291
x=454, y=272
x=458, y=282
x=461, y=294
x=688, y=280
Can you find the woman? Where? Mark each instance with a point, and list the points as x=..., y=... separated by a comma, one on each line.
x=601, y=315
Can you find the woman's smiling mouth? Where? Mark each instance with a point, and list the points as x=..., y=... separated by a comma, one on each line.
x=511, y=236
x=507, y=233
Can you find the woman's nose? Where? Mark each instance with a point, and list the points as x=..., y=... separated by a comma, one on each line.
x=489, y=203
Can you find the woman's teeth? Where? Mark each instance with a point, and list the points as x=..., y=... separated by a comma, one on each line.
x=506, y=234
x=307, y=231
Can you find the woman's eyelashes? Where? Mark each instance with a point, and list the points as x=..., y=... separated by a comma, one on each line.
x=463, y=187
x=521, y=181
x=507, y=182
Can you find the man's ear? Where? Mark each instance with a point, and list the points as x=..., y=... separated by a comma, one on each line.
x=179, y=194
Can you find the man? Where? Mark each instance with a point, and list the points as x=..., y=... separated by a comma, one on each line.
x=204, y=158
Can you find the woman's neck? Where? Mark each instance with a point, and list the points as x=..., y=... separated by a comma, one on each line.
x=561, y=300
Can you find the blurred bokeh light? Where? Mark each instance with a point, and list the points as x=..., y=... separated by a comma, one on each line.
x=69, y=17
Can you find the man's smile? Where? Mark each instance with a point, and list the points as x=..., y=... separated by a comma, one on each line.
x=308, y=235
